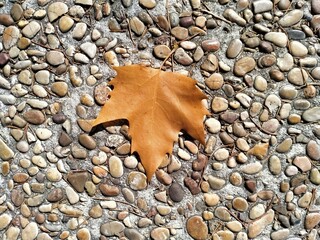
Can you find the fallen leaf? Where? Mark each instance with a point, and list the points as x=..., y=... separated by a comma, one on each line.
x=157, y=105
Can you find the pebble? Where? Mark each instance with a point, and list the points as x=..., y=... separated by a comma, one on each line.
x=222, y=213
x=35, y=117
x=5, y=220
x=115, y=167
x=244, y=65
x=297, y=49
x=31, y=29
x=55, y=58
x=288, y=92
x=89, y=49
x=111, y=228
x=216, y=183
x=55, y=195
x=176, y=192
x=210, y=45
x=182, y=57
x=219, y=104
x=285, y=63
x=65, y=23
x=312, y=220
x=257, y=211
x=87, y=141
x=262, y=6
x=277, y=38
x=215, y=81
x=137, y=26
x=213, y=125
x=303, y=163
x=313, y=150
x=30, y=232
x=53, y=175
x=210, y=64
x=137, y=180
x=291, y=18
x=256, y=228
x=315, y=176
x=311, y=115
x=59, y=88
x=56, y=10
x=5, y=151
x=211, y=199
x=179, y=33
x=10, y=37
x=161, y=51
x=83, y=234
x=234, y=48
x=160, y=233
x=197, y=228
x=43, y=133
x=79, y=31
x=315, y=7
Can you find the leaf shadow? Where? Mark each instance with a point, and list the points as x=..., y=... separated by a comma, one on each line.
x=103, y=126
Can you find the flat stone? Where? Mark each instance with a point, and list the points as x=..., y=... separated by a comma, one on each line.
x=83, y=234
x=89, y=49
x=30, y=232
x=244, y=66
x=133, y=234
x=55, y=195
x=277, y=38
x=53, y=175
x=5, y=152
x=271, y=125
x=6, y=20
x=161, y=51
x=222, y=213
x=10, y=37
x=179, y=33
x=284, y=146
x=313, y=150
x=210, y=45
x=160, y=233
x=216, y=183
x=87, y=141
x=112, y=228
x=55, y=58
x=315, y=176
x=78, y=180
x=257, y=211
x=256, y=228
x=31, y=29
x=210, y=64
x=72, y=195
x=148, y=3
x=16, y=12
x=311, y=115
x=288, y=92
x=197, y=228
x=56, y=10
x=215, y=81
x=286, y=62
x=240, y=204
x=291, y=18
x=315, y=6
x=84, y=2
x=262, y=6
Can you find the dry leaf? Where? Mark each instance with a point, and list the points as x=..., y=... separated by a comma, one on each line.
x=157, y=105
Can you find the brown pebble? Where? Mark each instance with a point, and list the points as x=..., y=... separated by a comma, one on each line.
x=20, y=177
x=197, y=228
x=109, y=190
x=192, y=185
x=35, y=117
x=87, y=141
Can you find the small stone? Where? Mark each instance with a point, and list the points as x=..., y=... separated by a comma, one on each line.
x=55, y=58
x=115, y=167
x=311, y=115
x=182, y=57
x=112, y=228
x=4, y=59
x=5, y=221
x=211, y=199
x=210, y=45
x=87, y=141
x=213, y=125
x=84, y=2
x=315, y=176
x=315, y=6
x=179, y=33
x=312, y=220
x=53, y=175
x=286, y=62
x=161, y=51
x=215, y=81
x=6, y=20
x=176, y=192
x=35, y=117
x=305, y=200
x=303, y=163
x=291, y=18
x=79, y=31
x=96, y=211
x=222, y=213
x=277, y=38
x=197, y=228
x=257, y=211
x=56, y=10
x=10, y=37
x=244, y=65
x=284, y=146
x=221, y=154
x=234, y=48
x=137, y=180
x=256, y=228
x=43, y=133
x=272, y=102
x=262, y=6
x=216, y=183
x=5, y=152
x=313, y=150
x=16, y=12
x=60, y=88
x=109, y=190
x=288, y=92
x=271, y=125
x=78, y=180
x=65, y=24
x=30, y=232
x=210, y=64
x=133, y=234
x=89, y=49
x=137, y=26
x=297, y=49
x=55, y=195
x=160, y=233
x=31, y=29
x=83, y=234
x=148, y=3
x=240, y=204
x=260, y=84
x=219, y=104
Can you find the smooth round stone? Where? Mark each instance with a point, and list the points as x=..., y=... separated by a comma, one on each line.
x=274, y=165
x=137, y=26
x=262, y=6
x=182, y=57
x=297, y=49
x=4, y=59
x=288, y=92
x=312, y=220
x=20, y=177
x=30, y=231
x=35, y=117
x=197, y=228
x=235, y=179
x=211, y=63
x=301, y=104
x=16, y=12
x=161, y=51
x=215, y=81
x=291, y=18
x=65, y=24
x=234, y=48
x=115, y=167
x=266, y=47
x=219, y=104
x=148, y=3
x=31, y=29
x=179, y=33
x=277, y=38
x=87, y=100
x=260, y=83
x=272, y=102
x=53, y=175
x=39, y=161
x=251, y=168
x=10, y=37
x=81, y=58
x=176, y=192
x=60, y=88
x=23, y=146
x=244, y=66
x=5, y=220
x=271, y=125
x=315, y=6
x=216, y=183
x=305, y=200
x=221, y=154
x=160, y=233
x=43, y=133
x=111, y=228
x=56, y=10
x=79, y=31
x=296, y=34
x=257, y=211
x=87, y=141
x=311, y=115
x=315, y=176
x=313, y=150
x=213, y=125
x=267, y=60
x=43, y=77
x=39, y=91
x=137, y=180
x=297, y=76
x=55, y=58
x=291, y=170
x=284, y=146
x=83, y=234
x=222, y=213
x=89, y=49
x=276, y=75
x=210, y=45
x=188, y=45
x=211, y=199
x=303, y=163
x=240, y=204
x=286, y=62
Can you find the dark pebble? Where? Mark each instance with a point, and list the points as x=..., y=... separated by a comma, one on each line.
x=59, y=118
x=186, y=21
x=284, y=220
x=296, y=35
x=192, y=185
x=6, y=20
x=78, y=180
x=4, y=59
x=64, y=139
x=176, y=192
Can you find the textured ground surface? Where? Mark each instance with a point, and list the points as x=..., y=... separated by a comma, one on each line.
x=256, y=178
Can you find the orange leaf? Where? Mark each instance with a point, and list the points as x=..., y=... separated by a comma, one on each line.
x=157, y=105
